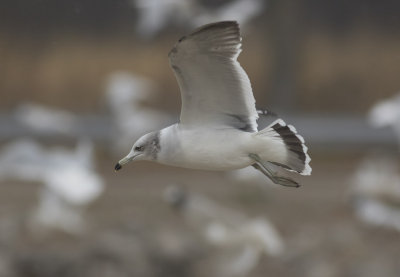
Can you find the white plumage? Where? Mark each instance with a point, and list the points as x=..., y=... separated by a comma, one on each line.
x=215, y=89
x=218, y=122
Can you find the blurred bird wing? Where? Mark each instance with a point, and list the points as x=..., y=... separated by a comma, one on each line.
x=215, y=90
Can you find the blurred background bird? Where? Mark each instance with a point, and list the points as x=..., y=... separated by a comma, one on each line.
x=248, y=238
x=126, y=95
x=69, y=181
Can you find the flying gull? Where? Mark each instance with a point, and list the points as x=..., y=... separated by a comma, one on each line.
x=218, y=121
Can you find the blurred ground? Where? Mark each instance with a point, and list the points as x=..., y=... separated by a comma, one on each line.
x=134, y=232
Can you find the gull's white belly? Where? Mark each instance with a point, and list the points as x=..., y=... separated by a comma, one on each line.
x=206, y=148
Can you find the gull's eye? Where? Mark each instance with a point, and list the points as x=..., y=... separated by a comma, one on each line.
x=139, y=148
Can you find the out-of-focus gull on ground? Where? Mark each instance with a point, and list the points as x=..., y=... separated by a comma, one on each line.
x=376, y=181
x=70, y=182
x=46, y=120
x=125, y=93
x=157, y=15
x=375, y=192
x=387, y=113
x=228, y=229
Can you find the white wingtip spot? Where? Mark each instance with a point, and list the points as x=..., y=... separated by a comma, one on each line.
x=307, y=168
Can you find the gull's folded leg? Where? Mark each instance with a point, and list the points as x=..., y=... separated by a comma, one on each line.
x=261, y=166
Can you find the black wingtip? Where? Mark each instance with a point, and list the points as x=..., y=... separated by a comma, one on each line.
x=296, y=146
x=117, y=167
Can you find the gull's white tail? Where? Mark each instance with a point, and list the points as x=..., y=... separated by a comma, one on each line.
x=285, y=139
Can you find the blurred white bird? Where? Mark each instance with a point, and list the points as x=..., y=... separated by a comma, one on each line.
x=46, y=120
x=70, y=182
x=378, y=213
x=228, y=229
x=375, y=187
x=157, y=15
x=376, y=181
x=127, y=90
x=386, y=113
x=240, y=10
x=125, y=94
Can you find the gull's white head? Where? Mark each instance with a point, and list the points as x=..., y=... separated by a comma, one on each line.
x=145, y=149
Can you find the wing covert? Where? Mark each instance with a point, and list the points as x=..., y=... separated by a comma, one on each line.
x=215, y=90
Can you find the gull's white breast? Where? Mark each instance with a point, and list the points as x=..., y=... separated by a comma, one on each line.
x=208, y=148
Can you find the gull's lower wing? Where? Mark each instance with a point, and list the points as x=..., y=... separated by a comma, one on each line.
x=215, y=89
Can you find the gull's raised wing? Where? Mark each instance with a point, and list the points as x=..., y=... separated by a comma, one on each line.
x=215, y=89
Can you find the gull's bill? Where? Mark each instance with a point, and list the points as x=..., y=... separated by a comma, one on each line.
x=124, y=161
x=117, y=167
x=215, y=90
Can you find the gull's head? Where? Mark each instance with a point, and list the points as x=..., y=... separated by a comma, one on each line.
x=145, y=149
